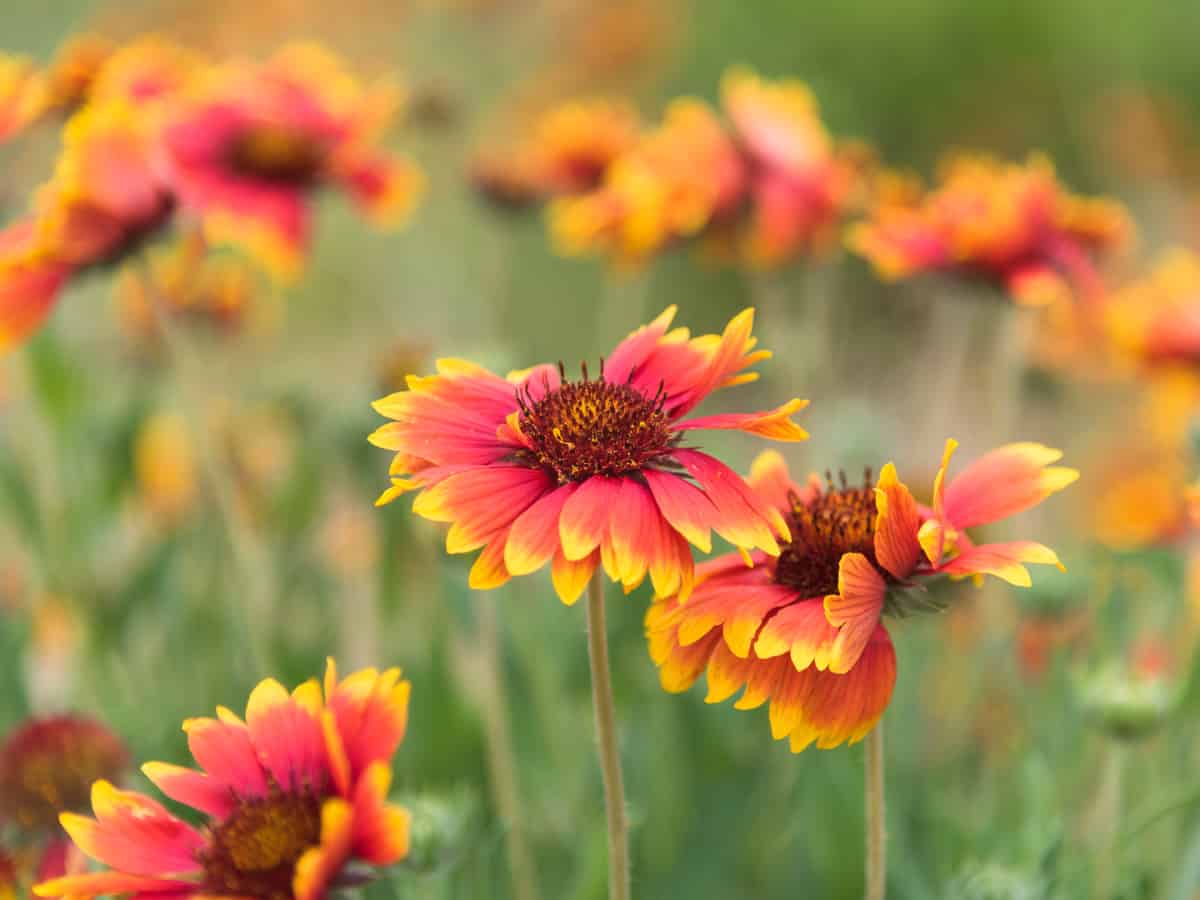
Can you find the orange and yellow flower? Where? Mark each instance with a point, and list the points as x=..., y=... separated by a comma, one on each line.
x=680, y=178
x=569, y=148
x=536, y=469
x=805, y=630
x=1014, y=225
x=246, y=150
x=290, y=795
x=104, y=199
x=801, y=184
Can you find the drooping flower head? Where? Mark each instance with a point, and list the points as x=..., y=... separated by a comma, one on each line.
x=105, y=198
x=1014, y=225
x=680, y=178
x=290, y=795
x=536, y=468
x=805, y=630
x=47, y=766
x=801, y=184
x=248, y=148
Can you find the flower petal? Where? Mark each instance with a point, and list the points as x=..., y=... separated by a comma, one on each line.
x=775, y=424
x=854, y=610
x=1004, y=482
x=897, y=522
x=1002, y=560
x=533, y=539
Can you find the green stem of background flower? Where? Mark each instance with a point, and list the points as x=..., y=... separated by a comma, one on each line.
x=606, y=737
x=876, y=815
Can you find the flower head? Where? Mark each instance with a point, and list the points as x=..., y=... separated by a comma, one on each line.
x=800, y=182
x=250, y=144
x=805, y=630
x=1014, y=225
x=680, y=178
x=290, y=795
x=103, y=201
x=47, y=766
x=538, y=468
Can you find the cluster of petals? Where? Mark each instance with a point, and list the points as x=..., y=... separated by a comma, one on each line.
x=191, y=283
x=567, y=151
x=476, y=446
x=1157, y=318
x=290, y=796
x=248, y=143
x=237, y=147
x=824, y=659
x=105, y=197
x=764, y=181
x=1013, y=225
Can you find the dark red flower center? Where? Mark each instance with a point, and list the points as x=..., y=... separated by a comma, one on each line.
x=837, y=522
x=585, y=428
x=275, y=153
x=48, y=767
x=253, y=853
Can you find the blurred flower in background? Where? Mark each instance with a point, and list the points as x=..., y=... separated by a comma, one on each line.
x=251, y=143
x=1009, y=224
x=1132, y=696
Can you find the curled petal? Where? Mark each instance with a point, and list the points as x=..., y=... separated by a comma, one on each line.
x=854, y=610
x=897, y=522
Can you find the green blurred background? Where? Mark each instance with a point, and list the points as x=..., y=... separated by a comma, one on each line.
x=995, y=778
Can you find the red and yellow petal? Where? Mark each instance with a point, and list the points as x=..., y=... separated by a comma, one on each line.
x=134, y=834
x=801, y=631
x=191, y=788
x=1006, y=481
x=571, y=577
x=854, y=610
x=897, y=523
x=1005, y=561
x=775, y=424
x=370, y=708
x=97, y=884
x=533, y=539
x=381, y=830
x=224, y=750
x=286, y=732
x=317, y=866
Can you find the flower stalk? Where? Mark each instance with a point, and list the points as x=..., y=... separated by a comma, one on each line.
x=606, y=737
x=876, y=816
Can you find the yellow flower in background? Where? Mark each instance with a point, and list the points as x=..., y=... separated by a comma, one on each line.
x=165, y=468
